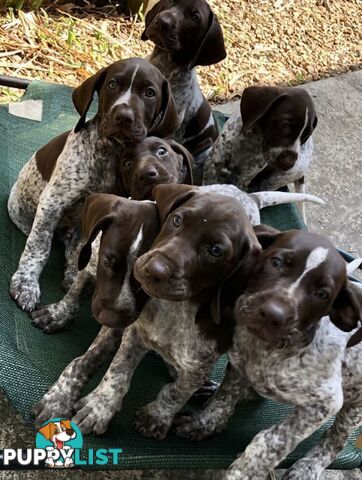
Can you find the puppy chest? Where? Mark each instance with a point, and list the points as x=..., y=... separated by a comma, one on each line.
x=169, y=328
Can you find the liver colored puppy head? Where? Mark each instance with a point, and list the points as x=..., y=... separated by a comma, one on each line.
x=299, y=278
x=188, y=30
x=203, y=239
x=152, y=162
x=128, y=229
x=135, y=100
x=284, y=117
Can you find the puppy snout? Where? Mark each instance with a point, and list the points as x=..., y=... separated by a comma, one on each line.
x=165, y=22
x=157, y=271
x=123, y=115
x=69, y=431
x=273, y=314
x=147, y=173
x=286, y=159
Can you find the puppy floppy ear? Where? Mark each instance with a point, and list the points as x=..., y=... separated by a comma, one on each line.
x=66, y=424
x=232, y=286
x=166, y=120
x=150, y=15
x=265, y=234
x=83, y=96
x=168, y=197
x=47, y=431
x=256, y=102
x=212, y=47
x=98, y=213
x=187, y=161
x=346, y=311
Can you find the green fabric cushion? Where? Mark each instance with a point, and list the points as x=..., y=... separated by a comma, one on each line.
x=32, y=361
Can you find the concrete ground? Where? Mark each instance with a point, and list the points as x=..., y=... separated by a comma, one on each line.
x=336, y=176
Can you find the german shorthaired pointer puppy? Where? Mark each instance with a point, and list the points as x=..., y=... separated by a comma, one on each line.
x=153, y=162
x=289, y=345
x=123, y=220
x=204, y=237
x=269, y=144
x=134, y=101
x=186, y=34
x=120, y=230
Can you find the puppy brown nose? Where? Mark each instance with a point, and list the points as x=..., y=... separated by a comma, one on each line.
x=157, y=271
x=286, y=159
x=165, y=22
x=147, y=173
x=274, y=314
x=123, y=114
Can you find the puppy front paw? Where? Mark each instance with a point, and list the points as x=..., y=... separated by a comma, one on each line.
x=152, y=423
x=51, y=318
x=93, y=413
x=25, y=291
x=57, y=402
x=197, y=427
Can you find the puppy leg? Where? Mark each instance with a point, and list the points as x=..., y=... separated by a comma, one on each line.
x=71, y=256
x=155, y=419
x=56, y=316
x=217, y=412
x=24, y=287
x=96, y=410
x=60, y=398
x=323, y=454
x=269, y=447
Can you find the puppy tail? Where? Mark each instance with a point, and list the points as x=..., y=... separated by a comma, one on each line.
x=352, y=266
x=266, y=199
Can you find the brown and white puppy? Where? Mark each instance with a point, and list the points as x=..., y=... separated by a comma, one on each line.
x=135, y=100
x=58, y=433
x=152, y=162
x=203, y=239
x=289, y=345
x=116, y=231
x=268, y=144
x=186, y=34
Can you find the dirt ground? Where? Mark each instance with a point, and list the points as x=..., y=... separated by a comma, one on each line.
x=283, y=42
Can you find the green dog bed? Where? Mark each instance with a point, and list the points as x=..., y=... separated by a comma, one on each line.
x=31, y=361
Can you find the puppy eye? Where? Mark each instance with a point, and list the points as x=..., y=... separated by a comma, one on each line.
x=150, y=92
x=285, y=123
x=322, y=294
x=276, y=262
x=215, y=250
x=127, y=163
x=161, y=151
x=195, y=17
x=177, y=220
x=112, y=84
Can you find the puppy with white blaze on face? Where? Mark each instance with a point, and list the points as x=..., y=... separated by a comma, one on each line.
x=135, y=100
x=266, y=145
x=204, y=237
x=296, y=342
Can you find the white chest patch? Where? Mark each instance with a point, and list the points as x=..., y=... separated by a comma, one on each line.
x=315, y=258
x=125, y=296
x=126, y=96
